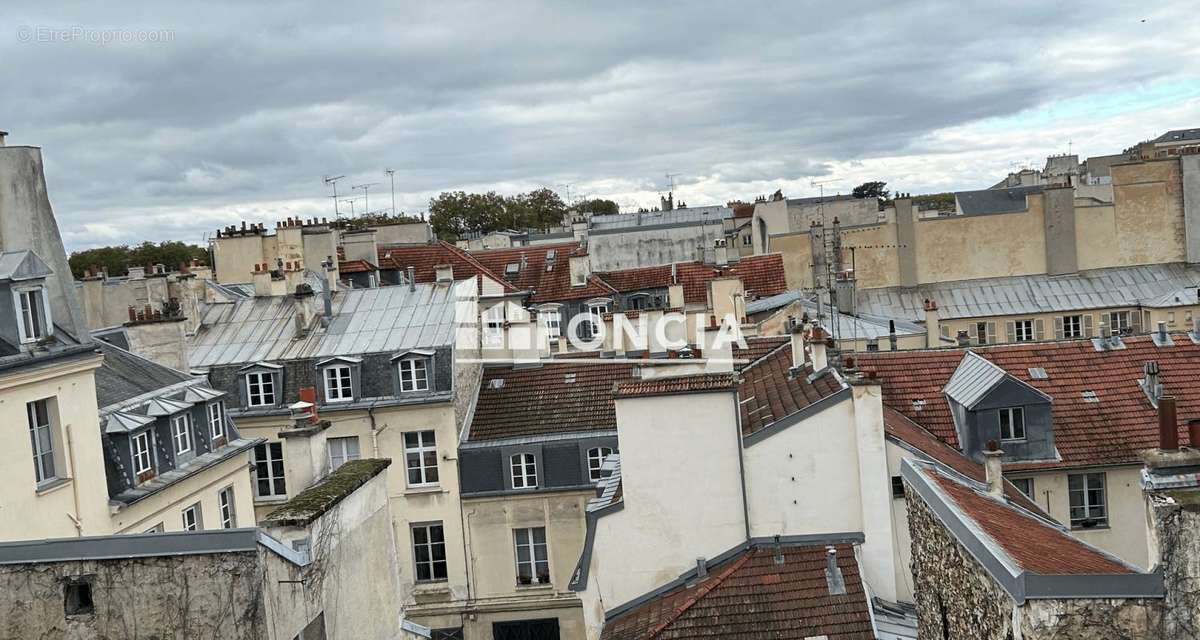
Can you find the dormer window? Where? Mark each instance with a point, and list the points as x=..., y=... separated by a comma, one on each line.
x=181, y=433
x=143, y=461
x=337, y=384
x=33, y=320
x=216, y=420
x=414, y=374
x=260, y=389
x=1012, y=424
x=524, y=471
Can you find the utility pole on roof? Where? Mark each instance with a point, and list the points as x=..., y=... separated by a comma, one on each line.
x=391, y=173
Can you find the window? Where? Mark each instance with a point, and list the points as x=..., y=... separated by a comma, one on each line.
x=142, y=459
x=1087, y=500
x=414, y=375
x=268, y=469
x=216, y=420
x=595, y=320
x=1024, y=485
x=342, y=450
x=181, y=433
x=158, y=528
x=42, y=438
x=551, y=322
x=191, y=518
x=1024, y=330
x=981, y=332
x=225, y=503
x=493, y=325
x=1012, y=424
x=429, y=552
x=897, y=487
x=596, y=458
x=533, y=567
x=524, y=471
x=747, y=239
x=1121, y=323
x=337, y=384
x=33, y=322
x=1072, y=326
x=638, y=302
x=420, y=456
x=260, y=389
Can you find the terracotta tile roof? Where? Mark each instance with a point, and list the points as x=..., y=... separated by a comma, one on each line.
x=899, y=426
x=757, y=347
x=551, y=285
x=356, y=266
x=424, y=258
x=677, y=384
x=767, y=395
x=1086, y=433
x=1034, y=544
x=558, y=397
x=749, y=596
x=761, y=276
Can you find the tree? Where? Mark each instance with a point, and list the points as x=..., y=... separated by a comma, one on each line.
x=538, y=209
x=597, y=206
x=873, y=189
x=369, y=219
x=117, y=259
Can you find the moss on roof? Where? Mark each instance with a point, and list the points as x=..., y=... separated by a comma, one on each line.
x=314, y=501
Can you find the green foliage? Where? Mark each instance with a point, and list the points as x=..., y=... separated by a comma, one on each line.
x=369, y=219
x=597, y=206
x=118, y=259
x=937, y=201
x=873, y=189
x=454, y=213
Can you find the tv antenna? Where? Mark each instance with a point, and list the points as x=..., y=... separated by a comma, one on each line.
x=366, y=187
x=671, y=181
x=350, y=201
x=332, y=181
x=567, y=186
x=391, y=173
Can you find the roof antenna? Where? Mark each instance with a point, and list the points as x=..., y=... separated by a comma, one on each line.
x=332, y=181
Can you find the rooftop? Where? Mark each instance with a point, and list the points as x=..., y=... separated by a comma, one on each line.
x=761, y=275
x=425, y=258
x=1178, y=135
x=768, y=394
x=124, y=375
x=861, y=326
x=751, y=595
x=1101, y=414
x=318, y=499
x=687, y=215
x=985, y=201
x=671, y=385
x=544, y=269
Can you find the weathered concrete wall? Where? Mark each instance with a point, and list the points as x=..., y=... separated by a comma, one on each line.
x=1189, y=167
x=161, y=341
x=1096, y=240
x=651, y=246
x=1175, y=517
x=411, y=233
x=982, y=246
x=1059, y=229
x=1149, y=212
x=906, y=244
x=193, y=596
x=234, y=257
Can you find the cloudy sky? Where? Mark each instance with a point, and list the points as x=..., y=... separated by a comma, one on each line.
x=167, y=122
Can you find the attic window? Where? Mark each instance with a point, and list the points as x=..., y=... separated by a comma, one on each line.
x=1090, y=396
x=569, y=378
x=918, y=404
x=33, y=313
x=1038, y=373
x=551, y=254
x=512, y=268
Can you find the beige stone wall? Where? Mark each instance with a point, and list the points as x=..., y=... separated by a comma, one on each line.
x=796, y=249
x=235, y=257
x=987, y=246
x=1096, y=240
x=166, y=507
x=1149, y=212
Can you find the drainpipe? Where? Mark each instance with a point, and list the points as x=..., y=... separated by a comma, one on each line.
x=741, y=464
x=74, y=484
x=374, y=432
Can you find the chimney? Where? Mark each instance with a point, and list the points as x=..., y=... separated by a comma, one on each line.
x=993, y=467
x=964, y=340
x=1152, y=387
x=412, y=279
x=932, y=331
x=581, y=269
x=309, y=395
x=1161, y=337
x=3, y=135
x=1168, y=429
x=721, y=253
x=820, y=358
x=445, y=273
x=1194, y=433
x=778, y=551
x=701, y=568
x=797, y=331
x=892, y=335
x=262, y=280
x=833, y=573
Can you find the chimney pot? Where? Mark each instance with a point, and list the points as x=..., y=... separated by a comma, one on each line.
x=1162, y=331
x=779, y=559
x=1168, y=428
x=701, y=567
x=412, y=279
x=993, y=467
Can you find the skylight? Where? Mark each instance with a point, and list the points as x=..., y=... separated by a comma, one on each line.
x=1090, y=396
x=1038, y=373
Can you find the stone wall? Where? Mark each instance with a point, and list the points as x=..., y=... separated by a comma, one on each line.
x=1176, y=519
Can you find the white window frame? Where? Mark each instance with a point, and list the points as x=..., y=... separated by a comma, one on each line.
x=981, y=333
x=1013, y=413
x=39, y=319
x=216, y=419
x=195, y=523
x=596, y=311
x=493, y=325
x=339, y=383
x=1090, y=511
x=523, y=467
x=1025, y=482
x=1023, y=328
x=270, y=478
x=426, y=443
x=551, y=321
x=225, y=505
x=1072, y=326
x=431, y=564
x=537, y=553
x=344, y=453
x=1126, y=323
x=595, y=460
x=265, y=381
x=142, y=450
x=41, y=439
x=408, y=374
x=181, y=433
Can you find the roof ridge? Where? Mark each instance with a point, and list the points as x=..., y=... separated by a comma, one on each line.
x=759, y=360
x=702, y=591
x=477, y=264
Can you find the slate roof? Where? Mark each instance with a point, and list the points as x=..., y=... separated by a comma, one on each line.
x=1111, y=430
x=671, y=385
x=761, y=275
x=1152, y=284
x=862, y=325
x=558, y=397
x=766, y=394
x=548, y=285
x=384, y=319
x=123, y=376
x=425, y=258
x=22, y=265
x=749, y=596
x=1178, y=135
x=986, y=201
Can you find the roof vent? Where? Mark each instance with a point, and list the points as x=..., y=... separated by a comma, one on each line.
x=833, y=573
x=496, y=383
x=1038, y=373
x=918, y=404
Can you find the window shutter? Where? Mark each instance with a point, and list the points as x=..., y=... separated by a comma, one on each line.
x=991, y=332
x=972, y=333
x=1136, y=319
x=1039, y=329
x=1087, y=325
x=1106, y=320
x=1012, y=330
x=1058, y=328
